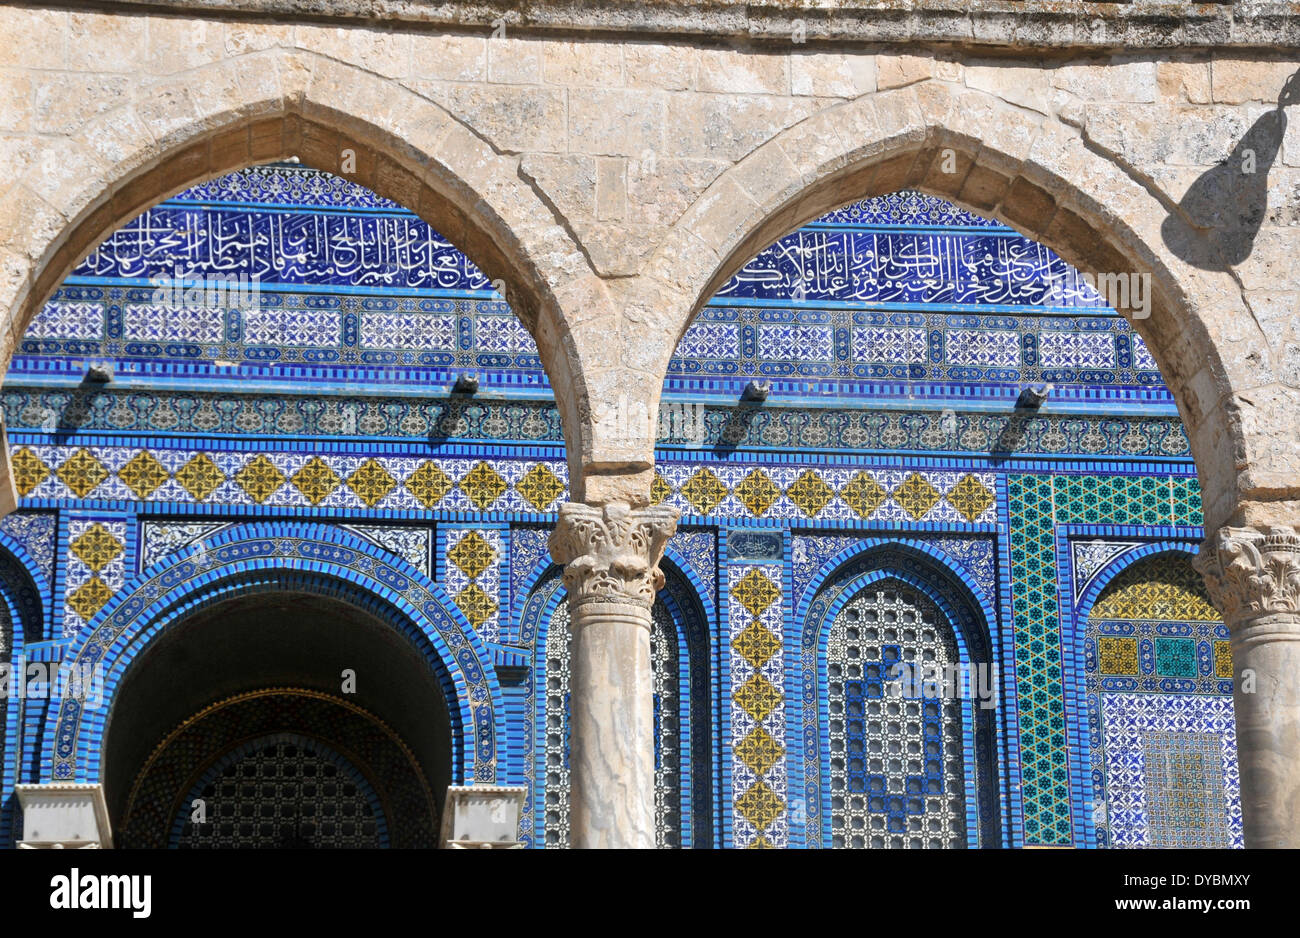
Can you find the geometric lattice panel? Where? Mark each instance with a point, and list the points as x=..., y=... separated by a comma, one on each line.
x=896, y=775
x=1171, y=775
x=1184, y=781
x=1037, y=505
x=282, y=791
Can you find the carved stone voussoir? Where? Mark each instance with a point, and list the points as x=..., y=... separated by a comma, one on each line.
x=1252, y=572
x=611, y=553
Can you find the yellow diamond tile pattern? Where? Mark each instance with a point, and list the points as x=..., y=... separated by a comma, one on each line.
x=143, y=474
x=428, y=484
x=704, y=491
x=757, y=492
x=758, y=697
x=29, y=471
x=758, y=794
x=316, y=480
x=863, y=494
x=970, y=497
x=756, y=592
x=482, y=485
x=477, y=605
x=82, y=472
x=260, y=478
x=756, y=644
x=764, y=492
x=200, y=477
x=472, y=554
x=96, y=547
x=759, y=750
x=90, y=597
x=916, y=496
x=471, y=574
x=760, y=805
x=371, y=482
x=822, y=492
x=540, y=487
x=810, y=492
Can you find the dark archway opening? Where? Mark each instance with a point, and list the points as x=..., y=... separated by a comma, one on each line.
x=257, y=690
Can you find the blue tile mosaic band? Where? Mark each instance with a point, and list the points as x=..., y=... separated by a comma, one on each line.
x=281, y=413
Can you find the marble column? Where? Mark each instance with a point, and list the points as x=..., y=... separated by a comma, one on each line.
x=611, y=555
x=1253, y=574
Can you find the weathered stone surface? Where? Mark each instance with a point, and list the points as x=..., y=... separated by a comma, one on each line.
x=1027, y=87
x=1237, y=80
x=616, y=123
x=449, y=58
x=1184, y=82
x=895, y=71
x=1028, y=26
x=59, y=103
x=1118, y=80
x=834, y=75
x=651, y=65
x=583, y=64
x=512, y=60
x=513, y=118
x=613, y=169
x=737, y=72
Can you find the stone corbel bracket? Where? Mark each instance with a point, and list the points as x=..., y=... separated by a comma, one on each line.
x=1252, y=572
x=64, y=816
x=611, y=553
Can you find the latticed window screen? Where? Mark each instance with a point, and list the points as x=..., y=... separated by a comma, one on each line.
x=896, y=773
x=283, y=791
x=668, y=780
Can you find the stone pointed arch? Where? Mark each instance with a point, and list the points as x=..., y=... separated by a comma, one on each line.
x=1037, y=175
x=274, y=104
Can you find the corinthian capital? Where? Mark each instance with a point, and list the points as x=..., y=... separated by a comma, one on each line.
x=611, y=553
x=1252, y=572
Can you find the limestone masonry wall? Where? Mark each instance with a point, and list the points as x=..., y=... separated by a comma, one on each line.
x=613, y=181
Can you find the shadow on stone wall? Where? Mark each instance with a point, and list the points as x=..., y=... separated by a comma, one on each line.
x=1218, y=218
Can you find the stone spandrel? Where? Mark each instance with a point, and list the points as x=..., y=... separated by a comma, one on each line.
x=611, y=553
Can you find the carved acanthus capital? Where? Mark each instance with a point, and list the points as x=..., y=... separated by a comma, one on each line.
x=1252, y=572
x=611, y=553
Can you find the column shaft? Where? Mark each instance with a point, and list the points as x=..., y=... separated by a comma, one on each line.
x=611, y=555
x=1253, y=574
x=611, y=748
x=1266, y=698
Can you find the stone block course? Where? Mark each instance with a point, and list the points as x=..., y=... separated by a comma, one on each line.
x=653, y=155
